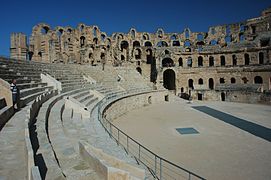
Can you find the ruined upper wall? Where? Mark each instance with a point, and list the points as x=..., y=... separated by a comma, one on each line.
x=76, y=44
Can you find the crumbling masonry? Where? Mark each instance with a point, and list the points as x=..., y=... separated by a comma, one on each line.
x=229, y=62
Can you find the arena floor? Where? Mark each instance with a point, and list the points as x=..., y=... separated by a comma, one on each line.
x=236, y=147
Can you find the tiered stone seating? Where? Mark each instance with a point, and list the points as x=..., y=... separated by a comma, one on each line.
x=60, y=129
x=27, y=76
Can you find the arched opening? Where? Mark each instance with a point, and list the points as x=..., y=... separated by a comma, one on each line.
x=133, y=34
x=247, y=59
x=137, y=54
x=160, y=33
x=167, y=62
x=211, y=61
x=186, y=33
x=95, y=41
x=200, y=81
x=103, y=37
x=149, y=56
x=221, y=80
x=176, y=43
x=173, y=37
x=211, y=83
x=200, y=97
x=148, y=44
x=189, y=62
x=228, y=40
x=223, y=96
x=213, y=42
x=200, y=61
x=261, y=58
x=136, y=44
x=44, y=30
x=122, y=58
x=222, y=61
x=169, y=79
x=82, y=41
x=187, y=43
x=95, y=31
x=162, y=44
x=145, y=37
x=258, y=80
x=234, y=60
x=191, y=83
x=233, y=80
x=139, y=70
x=124, y=45
x=40, y=54
x=180, y=62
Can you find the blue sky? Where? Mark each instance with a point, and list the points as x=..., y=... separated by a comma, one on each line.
x=121, y=15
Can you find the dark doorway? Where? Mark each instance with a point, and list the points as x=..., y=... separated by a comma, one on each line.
x=223, y=96
x=139, y=70
x=199, y=96
x=191, y=83
x=169, y=79
x=211, y=83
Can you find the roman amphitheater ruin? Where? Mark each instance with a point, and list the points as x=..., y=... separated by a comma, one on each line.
x=94, y=106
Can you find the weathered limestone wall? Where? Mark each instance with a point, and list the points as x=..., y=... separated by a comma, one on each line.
x=5, y=92
x=126, y=104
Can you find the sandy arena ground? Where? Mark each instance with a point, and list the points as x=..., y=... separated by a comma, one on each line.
x=219, y=151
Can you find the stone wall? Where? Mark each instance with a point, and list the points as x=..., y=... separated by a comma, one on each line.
x=121, y=106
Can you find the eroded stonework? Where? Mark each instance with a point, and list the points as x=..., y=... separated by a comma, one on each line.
x=229, y=62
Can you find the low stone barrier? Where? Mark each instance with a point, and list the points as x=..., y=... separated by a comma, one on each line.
x=32, y=110
x=109, y=167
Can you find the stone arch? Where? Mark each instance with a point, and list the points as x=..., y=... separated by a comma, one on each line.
x=247, y=59
x=137, y=53
x=223, y=96
x=148, y=44
x=200, y=82
x=169, y=79
x=200, y=61
x=261, y=58
x=180, y=62
x=167, y=62
x=211, y=61
x=234, y=60
x=258, y=80
x=222, y=60
x=139, y=70
x=211, y=83
x=162, y=44
x=233, y=80
x=124, y=45
x=149, y=56
x=191, y=83
x=136, y=44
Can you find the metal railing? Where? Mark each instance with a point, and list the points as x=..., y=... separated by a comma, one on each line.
x=159, y=167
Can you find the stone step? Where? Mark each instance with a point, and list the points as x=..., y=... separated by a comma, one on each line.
x=25, y=100
x=78, y=95
x=91, y=102
x=30, y=85
x=85, y=98
x=33, y=90
x=66, y=151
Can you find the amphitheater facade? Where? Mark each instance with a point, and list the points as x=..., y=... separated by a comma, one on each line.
x=93, y=106
x=229, y=62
